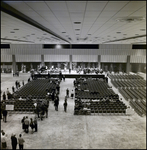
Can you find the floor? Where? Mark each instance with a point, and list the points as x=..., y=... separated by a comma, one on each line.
x=67, y=131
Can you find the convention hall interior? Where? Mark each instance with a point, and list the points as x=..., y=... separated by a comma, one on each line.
x=73, y=74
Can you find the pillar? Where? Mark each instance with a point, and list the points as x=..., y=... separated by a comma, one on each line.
x=70, y=62
x=139, y=67
x=70, y=59
x=128, y=64
x=42, y=60
x=99, y=61
x=14, y=64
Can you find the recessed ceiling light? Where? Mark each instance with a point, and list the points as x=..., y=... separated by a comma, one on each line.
x=77, y=22
x=130, y=19
x=142, y=29
x=15, y=29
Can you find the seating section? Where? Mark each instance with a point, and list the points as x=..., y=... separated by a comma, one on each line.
x=99, y=107
x=95, y=96
x=124, y=76
x=22, y=105
x=133, y=89
x=37, y=88
x=92, y=89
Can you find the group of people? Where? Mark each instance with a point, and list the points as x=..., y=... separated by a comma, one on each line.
x=26, y=123
x=14, y=141
x=8, y=95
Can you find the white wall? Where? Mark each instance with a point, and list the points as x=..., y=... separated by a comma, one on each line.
x=109, y=53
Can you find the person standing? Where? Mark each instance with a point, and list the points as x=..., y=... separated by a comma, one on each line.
x=3, y=140
x=32, y=124
x=4, y=96
x=16, y=84
x=13, y=89
x=65, y=105
x=67, y=92
x=35, y=124
x=63, y=77
x=56, y=103
x=23, y=123
x=14, y=141
x=22, y=82
x=5, y=115
x=72, y=94
x=26, y=121
x=20, y=142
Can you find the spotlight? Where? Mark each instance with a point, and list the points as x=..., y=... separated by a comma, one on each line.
x=58, y=46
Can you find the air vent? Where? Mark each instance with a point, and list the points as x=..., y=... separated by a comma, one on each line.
x=77, y=22
x=130, y=19
x=142, y=29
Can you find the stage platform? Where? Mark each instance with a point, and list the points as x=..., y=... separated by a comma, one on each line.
x=70, y=75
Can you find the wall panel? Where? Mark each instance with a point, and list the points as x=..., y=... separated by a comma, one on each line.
x=84, y=58
x=28, y=58
x=114, y=58
x=6, y=58
x=138, y=59
x=56, y=58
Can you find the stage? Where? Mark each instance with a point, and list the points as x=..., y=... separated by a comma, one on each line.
x=72, y=74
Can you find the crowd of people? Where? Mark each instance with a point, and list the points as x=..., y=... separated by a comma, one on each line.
x=14, y=141
x=30, y=123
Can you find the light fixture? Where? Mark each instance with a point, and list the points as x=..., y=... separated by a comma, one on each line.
x=58, y=46
x=77, y=22
x=142, y=29
x=130, y=19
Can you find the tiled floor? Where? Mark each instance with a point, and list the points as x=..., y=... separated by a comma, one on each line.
x=66, y=131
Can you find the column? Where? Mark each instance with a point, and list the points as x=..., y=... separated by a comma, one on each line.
x=14, y=63
x=128, y=64
x=139, y=67
x=70, y=62
x=99, y=61
x=42, y=60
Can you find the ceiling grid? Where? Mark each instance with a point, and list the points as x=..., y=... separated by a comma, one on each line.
x=99, y=22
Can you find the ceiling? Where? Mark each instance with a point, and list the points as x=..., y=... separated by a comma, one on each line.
x=76, y=22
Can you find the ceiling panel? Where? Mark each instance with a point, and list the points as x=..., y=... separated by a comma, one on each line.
x=95, y=6
x=98, y=18
x=57, y=6
x=37, y=6
x=75, y=7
